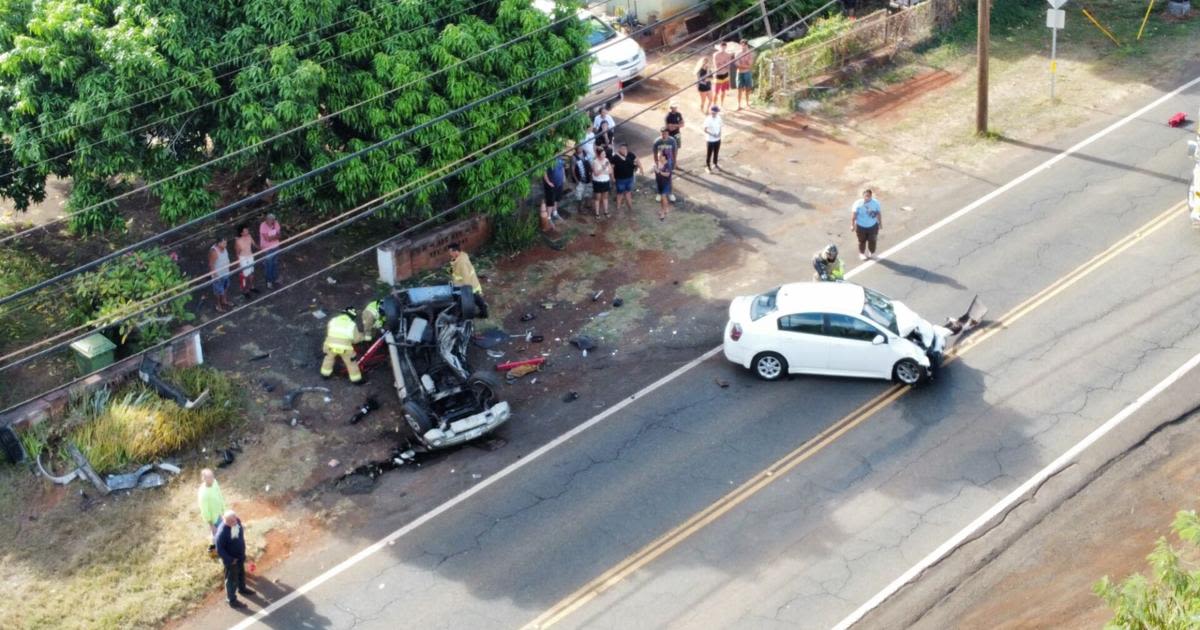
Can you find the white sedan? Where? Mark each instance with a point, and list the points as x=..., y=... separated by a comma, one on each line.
x=834, y=329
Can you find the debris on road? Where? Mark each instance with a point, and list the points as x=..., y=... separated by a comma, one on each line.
x=528, y=317
x=367, y=407
x=149, y=370
x=290, y=398
x=721, y=383
x=535, y=363
x=618, y=303
x=319, y=314
x=489, y=338
x=260, y=357
x=143, y=477
x=596, y=295
x=571, y=397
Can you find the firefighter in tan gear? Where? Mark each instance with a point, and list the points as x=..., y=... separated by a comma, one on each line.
x=340, y=336
x=462, y=273
x=372, y=320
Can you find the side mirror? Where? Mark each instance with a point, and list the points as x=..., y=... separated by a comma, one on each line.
x=879, y=340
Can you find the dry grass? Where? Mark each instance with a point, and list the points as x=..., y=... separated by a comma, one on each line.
x=132, y=561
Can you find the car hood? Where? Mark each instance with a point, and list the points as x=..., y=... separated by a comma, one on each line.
x=908, y=321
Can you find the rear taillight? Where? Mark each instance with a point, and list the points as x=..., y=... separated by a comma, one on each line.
x=620, y=85
x=735, y=332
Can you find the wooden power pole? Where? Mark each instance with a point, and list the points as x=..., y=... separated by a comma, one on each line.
x=982, y=49
x=762, y=6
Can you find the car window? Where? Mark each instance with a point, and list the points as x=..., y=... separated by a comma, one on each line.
x=598, y=32
x=763, y=304
x=877, y=308
x=811, y=323
x=851, y=328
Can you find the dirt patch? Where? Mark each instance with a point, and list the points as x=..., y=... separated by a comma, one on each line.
x=889, y=101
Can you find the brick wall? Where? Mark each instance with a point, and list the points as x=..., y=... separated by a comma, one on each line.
x=401, y=259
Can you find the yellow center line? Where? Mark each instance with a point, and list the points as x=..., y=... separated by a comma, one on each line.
x=781, y=467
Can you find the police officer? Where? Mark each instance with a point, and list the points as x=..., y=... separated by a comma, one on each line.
x=828, y=265
x=340, y=336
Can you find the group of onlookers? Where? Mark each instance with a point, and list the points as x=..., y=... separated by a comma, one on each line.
x=221, y=267
x=715, y=76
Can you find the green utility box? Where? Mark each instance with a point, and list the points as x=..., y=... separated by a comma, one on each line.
x=93, y=352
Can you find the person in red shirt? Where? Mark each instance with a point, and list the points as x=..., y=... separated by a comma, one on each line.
x=269, y=235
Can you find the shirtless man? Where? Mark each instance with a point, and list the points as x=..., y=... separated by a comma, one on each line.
x=722, y=67
x=745, y=74
x=244, y=247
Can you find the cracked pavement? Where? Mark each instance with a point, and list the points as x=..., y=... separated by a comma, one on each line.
x=824, y=537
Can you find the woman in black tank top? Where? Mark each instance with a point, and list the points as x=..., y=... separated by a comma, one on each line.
x=704, y=84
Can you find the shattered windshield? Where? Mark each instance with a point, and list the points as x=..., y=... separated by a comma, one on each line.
x=763, y=304
x=879, y=309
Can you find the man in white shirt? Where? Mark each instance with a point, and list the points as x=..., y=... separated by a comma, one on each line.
x=712, y=131
x=604, y=116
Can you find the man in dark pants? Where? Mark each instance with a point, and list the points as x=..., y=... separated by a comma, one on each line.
x=231, y=547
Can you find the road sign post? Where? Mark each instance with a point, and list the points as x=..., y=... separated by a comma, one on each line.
x=1056, y=19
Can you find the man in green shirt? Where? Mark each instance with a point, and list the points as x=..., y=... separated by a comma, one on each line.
x=212, y=503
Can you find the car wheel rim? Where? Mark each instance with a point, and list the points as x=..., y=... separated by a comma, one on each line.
x=768, y=367
x=907, y=372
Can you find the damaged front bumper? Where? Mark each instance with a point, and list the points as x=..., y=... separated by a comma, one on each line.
x=468, y=428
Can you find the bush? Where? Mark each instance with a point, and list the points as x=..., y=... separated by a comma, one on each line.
x=119, y=287
x=516, y=231
x=136, y=426
x=1171, y=598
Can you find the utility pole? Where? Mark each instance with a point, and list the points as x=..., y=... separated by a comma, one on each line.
x=981, y=101
x=762, y=5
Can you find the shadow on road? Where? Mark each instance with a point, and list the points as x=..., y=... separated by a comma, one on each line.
x=1096, y=160
x=920, y=273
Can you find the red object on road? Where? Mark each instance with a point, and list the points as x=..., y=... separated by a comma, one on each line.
x=1177, y=120
x=504, y=367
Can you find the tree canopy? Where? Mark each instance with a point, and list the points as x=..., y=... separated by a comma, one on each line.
x=107, y=92
x=1170, y=599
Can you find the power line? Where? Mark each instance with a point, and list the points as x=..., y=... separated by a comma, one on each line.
x=196, y=74
x=383, y=202
x=240, y=90
x=321, y=169
x=61, y=289
x=320, y=119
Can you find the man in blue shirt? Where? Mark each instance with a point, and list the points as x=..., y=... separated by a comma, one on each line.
x=866, y=218
x=552, y=189
x=230, y=540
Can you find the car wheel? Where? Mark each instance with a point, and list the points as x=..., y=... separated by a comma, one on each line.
x=417, y=418
x=770, y=366
x=908, y=372
x=486, y=387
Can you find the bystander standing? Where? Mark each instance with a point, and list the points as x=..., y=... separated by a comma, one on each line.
x=581, y=175
x=230, y=541
x=601, y=181
x=244, y=247
x=625, y=166
x=745, y=74
x=665, y=144
x=675, y=124
x=269, y=234
x=663, y=173
x=712, y=132
x=866, y=219
x=212, y=502
x=704, y=83
x=219, y=269
x=722, y=68
x=604, y=115
x=553, y=181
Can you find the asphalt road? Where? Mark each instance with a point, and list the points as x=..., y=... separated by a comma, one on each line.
x=821, y=538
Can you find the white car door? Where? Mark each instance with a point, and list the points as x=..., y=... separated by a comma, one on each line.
x=852, y=351
x=801, y=340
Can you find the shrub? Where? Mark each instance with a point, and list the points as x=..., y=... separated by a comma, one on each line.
x=119, y=287
x=1168, y=599
x=136, y=426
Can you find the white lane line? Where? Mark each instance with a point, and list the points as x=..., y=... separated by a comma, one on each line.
x=517, y=465
x=476, y=489
x=1016, y=495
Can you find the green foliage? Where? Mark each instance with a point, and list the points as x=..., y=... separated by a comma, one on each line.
x=515, y=231
x=725, y=9
x=119, y=288
x=1007, y=17
x=823, y=30
x=135, y=426
x=77, y=75
x=1169, y=600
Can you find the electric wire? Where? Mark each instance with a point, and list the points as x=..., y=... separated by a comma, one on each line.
x=384, y=202
x=324, y=168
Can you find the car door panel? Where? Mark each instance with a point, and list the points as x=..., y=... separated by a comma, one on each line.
x=801, y=341
x=851, y=351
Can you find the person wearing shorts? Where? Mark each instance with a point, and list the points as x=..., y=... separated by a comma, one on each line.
x=866, y=218
x=552, y=186
x=625, y=165
x=581, y=175
x=601, y=181
x=218, y=268
x=722, y=66
x=745, y=74
x=704, y=82
x=663, y=171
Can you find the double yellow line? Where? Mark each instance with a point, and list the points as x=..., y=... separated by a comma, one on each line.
x=781, y=467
